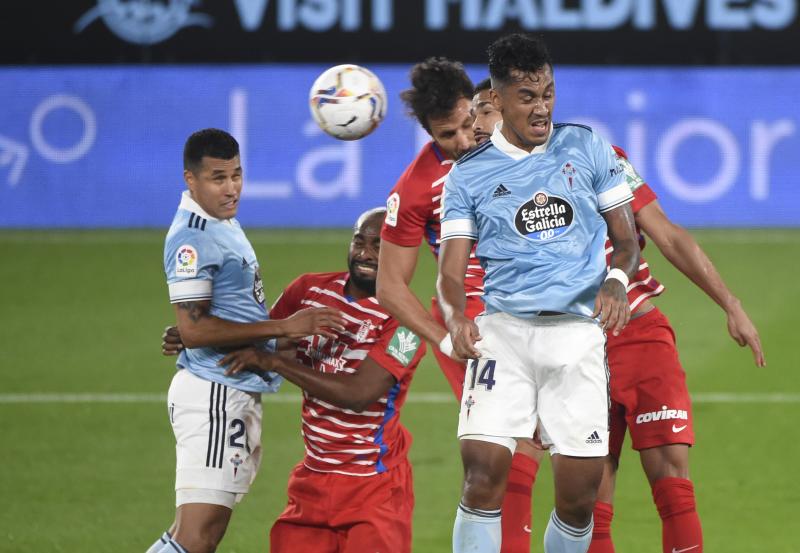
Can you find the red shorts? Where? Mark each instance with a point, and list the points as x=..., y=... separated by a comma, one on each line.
x=648, y=386
x=337, y=513
x=454, y=370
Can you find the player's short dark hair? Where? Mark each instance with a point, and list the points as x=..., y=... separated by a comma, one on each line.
x=526, y=53
x=211, y=143
x=485, y=84
x=437, y=84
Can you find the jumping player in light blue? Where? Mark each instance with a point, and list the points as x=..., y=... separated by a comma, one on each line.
x=539, y=198
x=215, y=285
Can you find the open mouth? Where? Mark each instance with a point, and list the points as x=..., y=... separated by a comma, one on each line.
x=231, y=204
x=366, y=268
x=540, y=127
x=481, y=137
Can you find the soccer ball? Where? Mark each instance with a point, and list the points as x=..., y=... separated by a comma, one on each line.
x=348, y=101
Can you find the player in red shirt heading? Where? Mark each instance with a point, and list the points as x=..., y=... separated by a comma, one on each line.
x=353, y=491
x=648, y=385
x=440, y=98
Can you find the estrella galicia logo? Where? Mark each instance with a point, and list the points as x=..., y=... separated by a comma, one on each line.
x=144, y=21
x=544, y=217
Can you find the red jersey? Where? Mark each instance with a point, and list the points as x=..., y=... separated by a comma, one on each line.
x=642, y=285
x=340, y=440
x=414, y=210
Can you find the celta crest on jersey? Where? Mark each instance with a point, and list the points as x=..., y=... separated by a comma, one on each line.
x=544, y=217
x=569, y=171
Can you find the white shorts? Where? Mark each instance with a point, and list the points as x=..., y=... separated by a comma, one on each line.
x=217, y=433
x=549, y=371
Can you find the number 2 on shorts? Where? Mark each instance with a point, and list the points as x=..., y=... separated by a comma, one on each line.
x=486, y=375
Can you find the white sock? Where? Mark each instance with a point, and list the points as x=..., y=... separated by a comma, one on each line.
x=476, y=530
x=560, y=537
x=171, y=547
x=160, y=543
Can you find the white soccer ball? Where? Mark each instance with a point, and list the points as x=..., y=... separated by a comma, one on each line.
x=348, y=101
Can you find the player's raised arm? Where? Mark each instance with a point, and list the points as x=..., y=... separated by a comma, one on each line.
x=463, y=332
x=683, y=251
x=612, y=300
x=396, y=267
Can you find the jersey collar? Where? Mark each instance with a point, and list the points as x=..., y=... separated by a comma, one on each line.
x=512, y=151
x=188, y=203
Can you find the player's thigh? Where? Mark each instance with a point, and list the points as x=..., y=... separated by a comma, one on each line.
x=656, y=398
x=666, y=461
x=218, y=434
x=373, y=513
x=288, y=537
x=572, y=378
x=499, y=397
x=576, y=480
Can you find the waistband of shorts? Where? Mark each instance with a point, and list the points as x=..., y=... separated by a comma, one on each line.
x=545, y=318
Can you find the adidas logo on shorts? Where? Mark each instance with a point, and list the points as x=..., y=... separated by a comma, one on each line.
x=594, y=438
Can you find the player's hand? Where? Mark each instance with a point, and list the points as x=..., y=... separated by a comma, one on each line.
x=612, y=306
x=171, y=343
x=744, y=333
x=316, y=320
x=465, y=334
x=247, y=359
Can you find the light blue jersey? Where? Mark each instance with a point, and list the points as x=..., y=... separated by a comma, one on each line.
x=536, y=217
x=211, y=259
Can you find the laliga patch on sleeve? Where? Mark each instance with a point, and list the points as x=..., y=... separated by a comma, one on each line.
x=186, y=262
x=404, y=345
x=392, y=208
x=632, y=176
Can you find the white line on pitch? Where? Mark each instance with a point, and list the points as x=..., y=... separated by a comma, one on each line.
x=420, y=397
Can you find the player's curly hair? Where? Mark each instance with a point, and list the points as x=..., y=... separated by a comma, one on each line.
x=526, y=53
x=437, y=84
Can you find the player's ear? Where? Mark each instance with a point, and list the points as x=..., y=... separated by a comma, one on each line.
x=497, y=100
x=188, y=178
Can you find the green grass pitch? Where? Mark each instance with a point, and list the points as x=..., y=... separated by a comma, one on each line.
x=82, y=312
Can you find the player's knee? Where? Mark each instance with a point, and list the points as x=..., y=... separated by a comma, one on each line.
x=576, y=512
x=204, y=540
x=482, y=489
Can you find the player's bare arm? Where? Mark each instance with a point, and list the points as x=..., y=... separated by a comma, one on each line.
x=453, y=259
x=612, y=304
x=354, y=391
x=198, y=328
x=683, y=251
x=396, y=267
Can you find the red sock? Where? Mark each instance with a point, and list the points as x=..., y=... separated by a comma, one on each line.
x=601, y=535
x=516, y=523
x=681, y=532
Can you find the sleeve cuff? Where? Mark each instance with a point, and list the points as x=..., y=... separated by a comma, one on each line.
x=458, y=228
x=615, y=197
x=189, y=290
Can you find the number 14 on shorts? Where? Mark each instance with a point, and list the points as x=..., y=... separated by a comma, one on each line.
x=482, y=372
